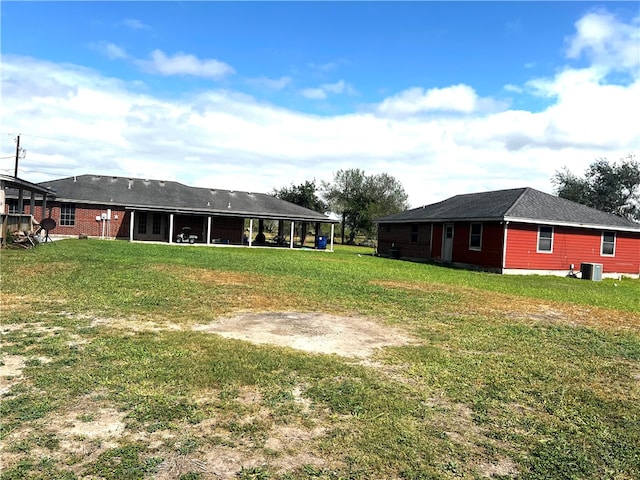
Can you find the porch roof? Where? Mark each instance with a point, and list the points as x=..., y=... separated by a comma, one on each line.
x=175, y=197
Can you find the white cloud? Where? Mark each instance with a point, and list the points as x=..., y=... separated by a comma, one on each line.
x=111, y=50
x=224, y=139
x=513, y=88
x=134, y=24
x=609, y=43
x=457, y=98
x=184, y=64
x=314, y=93
x=324, y=67
x=270, y=83
x=323, y=91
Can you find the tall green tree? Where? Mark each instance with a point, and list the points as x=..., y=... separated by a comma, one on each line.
x=306, y=195
x=612, y=187
x=360, y=199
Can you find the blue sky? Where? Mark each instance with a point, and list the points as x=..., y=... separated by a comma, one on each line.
x=449, y=97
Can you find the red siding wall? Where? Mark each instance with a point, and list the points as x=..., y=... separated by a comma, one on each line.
x=400, y=235
x=570, y=245
x=490, y=255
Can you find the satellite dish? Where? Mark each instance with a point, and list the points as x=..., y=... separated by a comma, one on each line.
x=48, y=224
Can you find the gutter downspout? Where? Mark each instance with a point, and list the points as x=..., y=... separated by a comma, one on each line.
x=132, y=217
x=504, y=246
x=292, y=232
x=333, y=226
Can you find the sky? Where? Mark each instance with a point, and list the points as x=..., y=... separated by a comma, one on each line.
x=447, y=97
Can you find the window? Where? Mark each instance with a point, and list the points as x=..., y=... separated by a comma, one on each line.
x=608, y=243
x=142, y=223
x=475, y=236
x=67, y=215
x=545, y=239
x=12, y=205
x=414, y=233
x=157, y=223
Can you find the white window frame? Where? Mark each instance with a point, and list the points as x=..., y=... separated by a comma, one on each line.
x=472, y=247
x=68, y=215
x=602, y=243
x=552, y=239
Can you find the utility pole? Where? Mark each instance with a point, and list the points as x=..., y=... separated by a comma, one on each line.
x=20, y=153
x=15, y=172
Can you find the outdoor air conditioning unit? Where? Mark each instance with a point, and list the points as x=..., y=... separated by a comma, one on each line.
x=591, y=271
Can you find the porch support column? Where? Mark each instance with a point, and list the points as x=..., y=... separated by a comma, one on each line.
x=20, y=201
x=208, y=230
x=317, y=234
x=292, y=231
x=44, y=206
x=250, y=231
x=132, y=217
x=171, y=228
x=333, y=226
x=32, y=204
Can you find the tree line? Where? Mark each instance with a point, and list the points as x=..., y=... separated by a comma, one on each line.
x=356, y=197
x=359, y=199
x=612, y=187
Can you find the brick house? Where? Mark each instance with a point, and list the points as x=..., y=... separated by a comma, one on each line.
x=156, y=210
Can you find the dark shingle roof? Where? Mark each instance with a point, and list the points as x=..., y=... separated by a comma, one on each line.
x=176, y=197
x=519, y=204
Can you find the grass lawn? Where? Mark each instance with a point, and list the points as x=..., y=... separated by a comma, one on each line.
x=104, y=375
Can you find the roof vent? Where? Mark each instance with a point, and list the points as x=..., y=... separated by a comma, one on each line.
x=75, y=179
x=229, y=205
x=162, y=183
x=208, y=204
x=130, y=183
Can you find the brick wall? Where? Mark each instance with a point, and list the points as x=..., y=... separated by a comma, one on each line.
x=85, y=220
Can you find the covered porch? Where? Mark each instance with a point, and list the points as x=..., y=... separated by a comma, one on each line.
x=218, y=229
x=15, y=195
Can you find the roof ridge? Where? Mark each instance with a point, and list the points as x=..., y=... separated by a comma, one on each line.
x=517, y=200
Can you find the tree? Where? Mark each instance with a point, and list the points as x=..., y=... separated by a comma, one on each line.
x=360, y=199
x=341, y=196
x=304, y=195
x=609, y=187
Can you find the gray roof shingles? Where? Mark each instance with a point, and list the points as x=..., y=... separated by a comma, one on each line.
x=524, y=204
x=176, y=197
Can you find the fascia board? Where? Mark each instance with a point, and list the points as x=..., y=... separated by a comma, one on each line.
x=557, y=223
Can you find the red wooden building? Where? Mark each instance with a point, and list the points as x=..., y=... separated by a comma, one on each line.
x=513, y=231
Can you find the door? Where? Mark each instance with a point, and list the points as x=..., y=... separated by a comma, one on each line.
x=447, y=243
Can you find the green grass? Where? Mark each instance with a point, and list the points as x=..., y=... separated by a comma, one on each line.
x=496, y=386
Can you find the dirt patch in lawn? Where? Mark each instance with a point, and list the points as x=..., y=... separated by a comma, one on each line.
x=312, y=332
